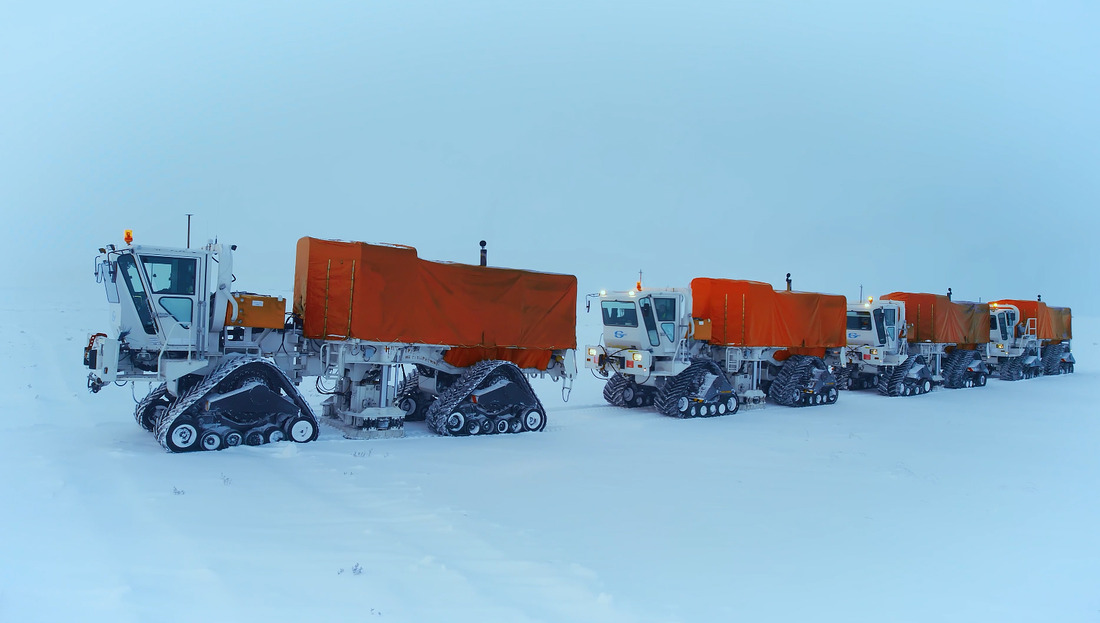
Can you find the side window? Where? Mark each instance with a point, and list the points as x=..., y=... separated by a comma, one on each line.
x=180, y=307
x=666, y=309
x=646, y=305
x=170, y=275
x=880, y=325
x=666, y=315
x=128, y=267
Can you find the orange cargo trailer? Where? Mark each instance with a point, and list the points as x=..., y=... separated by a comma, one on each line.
x=1033, y=310
x=383, y=293
x=752, y=314
x=933, y=318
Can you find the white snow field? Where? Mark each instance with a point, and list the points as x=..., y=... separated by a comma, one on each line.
x=963, y=505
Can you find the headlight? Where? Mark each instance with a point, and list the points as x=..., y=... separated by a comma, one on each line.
x=874, y=351
x=637, y=356
x=591, y=352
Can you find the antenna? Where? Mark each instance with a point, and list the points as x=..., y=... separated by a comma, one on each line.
x=189, y=231
x=484, y=254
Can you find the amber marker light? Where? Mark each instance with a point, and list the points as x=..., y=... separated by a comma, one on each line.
x=128, y=235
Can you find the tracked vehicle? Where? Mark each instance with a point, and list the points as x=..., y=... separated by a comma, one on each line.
x=389, y=336
x=906, y=343
x=1028, y=339
x=716, y=346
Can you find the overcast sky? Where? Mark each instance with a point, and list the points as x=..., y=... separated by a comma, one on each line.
x=902, y=146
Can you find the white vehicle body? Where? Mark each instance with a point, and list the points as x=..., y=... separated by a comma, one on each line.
x=650, y=338
x=174, y=321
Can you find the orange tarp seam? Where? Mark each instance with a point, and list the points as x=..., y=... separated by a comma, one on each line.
x=387, y=294
x=751, y=313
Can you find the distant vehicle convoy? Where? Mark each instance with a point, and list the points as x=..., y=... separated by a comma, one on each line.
x=391, y=337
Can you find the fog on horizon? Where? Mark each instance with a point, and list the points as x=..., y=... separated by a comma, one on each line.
x=914, y=147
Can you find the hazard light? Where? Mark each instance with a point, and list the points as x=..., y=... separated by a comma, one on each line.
x=128, y=235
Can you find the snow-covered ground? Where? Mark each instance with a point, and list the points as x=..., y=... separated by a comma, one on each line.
x=964, y=505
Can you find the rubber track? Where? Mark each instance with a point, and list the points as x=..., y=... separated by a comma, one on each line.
x=796, y=371
x=410, y=387
x=1052, y=359
x=468, y=382
x=613, y=390
x=954, y=369
x=210, y=382
x=1013, y=370
x=149, y=398
x=891, y=384
x=843, y=376
x=683, y=384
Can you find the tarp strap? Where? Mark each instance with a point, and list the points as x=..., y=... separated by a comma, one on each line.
x=351, y=299
x=324, y=325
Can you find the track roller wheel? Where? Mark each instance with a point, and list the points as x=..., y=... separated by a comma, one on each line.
x=211, y=440
x=408, y=405
x=831, y=395
x=732, y=405
x=628, y=394
x=456, y=422
x=254, y=438
x=515, y=425
x=683, y=406
x=502, y=426
x=183, y=435
x=300, y=429
x=473, y=426
x=926, y=386
x=233, y=439
x=533, y=419
x=272, y=434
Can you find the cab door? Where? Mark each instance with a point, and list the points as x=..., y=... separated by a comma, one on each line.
x=886, y=324
x=174, y=284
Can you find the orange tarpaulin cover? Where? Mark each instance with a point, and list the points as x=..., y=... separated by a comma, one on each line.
x=751, y=313
x=975, y=322
x=384, y=293
x=1051, y=323
x=1062, y=323
x=932, y=318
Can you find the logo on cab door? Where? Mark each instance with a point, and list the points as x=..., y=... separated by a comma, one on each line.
x=853, y=335
x=620, y=334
